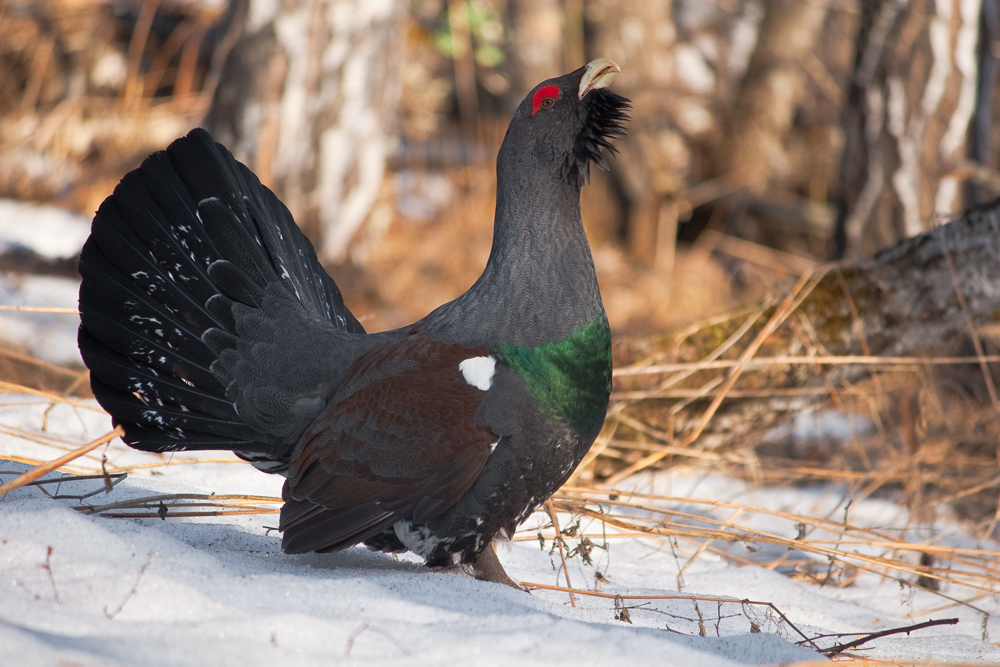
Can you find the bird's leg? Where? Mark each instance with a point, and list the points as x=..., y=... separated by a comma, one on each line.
x=488, y=568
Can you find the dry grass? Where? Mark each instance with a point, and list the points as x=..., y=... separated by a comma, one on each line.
x=922, y=430
x=89, y=128
x=823, y=550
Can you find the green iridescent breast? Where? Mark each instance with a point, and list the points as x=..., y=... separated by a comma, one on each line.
x=571, y=378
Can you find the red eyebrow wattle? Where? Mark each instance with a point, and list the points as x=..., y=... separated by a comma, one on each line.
x=543, y=93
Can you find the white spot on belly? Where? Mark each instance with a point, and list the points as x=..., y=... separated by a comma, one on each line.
x=478, y=371
x=417, y=539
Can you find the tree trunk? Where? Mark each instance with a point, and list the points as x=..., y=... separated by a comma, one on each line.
x=308, y=101
x=912, y=96
x=536, y=30
x=654, y=159
x=770, y=93
x=921, y=295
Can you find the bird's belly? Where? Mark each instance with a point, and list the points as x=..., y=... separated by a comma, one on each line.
x=510, y=488
x=420, y=540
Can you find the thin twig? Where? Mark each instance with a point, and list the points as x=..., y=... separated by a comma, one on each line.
x=197, y=498
x=41, y=309
x=35, y=361
x=32, y=475
x=47, y=566
x=128, y=596
x=14, y=388
x=691, y=598
x=111, y=480
x=840, y=648
x=844, y=360
x=562, y=555
x=367, y=626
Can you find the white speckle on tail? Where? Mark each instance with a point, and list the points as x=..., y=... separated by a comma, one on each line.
x=478, y=371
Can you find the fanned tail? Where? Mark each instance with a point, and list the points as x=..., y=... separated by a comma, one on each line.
x=183, y=240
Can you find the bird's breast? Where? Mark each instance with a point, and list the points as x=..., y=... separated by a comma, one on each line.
x=570, y=378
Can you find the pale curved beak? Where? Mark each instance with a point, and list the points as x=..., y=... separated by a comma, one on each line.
x=599, y=74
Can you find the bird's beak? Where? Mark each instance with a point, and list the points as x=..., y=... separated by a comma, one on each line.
x=599, y=74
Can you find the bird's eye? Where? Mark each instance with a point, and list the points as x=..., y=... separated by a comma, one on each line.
x=544, y=98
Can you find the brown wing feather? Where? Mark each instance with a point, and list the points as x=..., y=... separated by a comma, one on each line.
x=397, y=440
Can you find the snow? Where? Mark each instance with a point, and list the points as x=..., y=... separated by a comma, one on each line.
x=49, y=336
x=52, y=233
x=85, y=589
x=49, y=231
x=420, y=194
x=217, y=590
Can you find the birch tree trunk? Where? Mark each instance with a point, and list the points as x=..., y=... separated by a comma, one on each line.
x=911, y=98
x=770, y=93
x=308, y=101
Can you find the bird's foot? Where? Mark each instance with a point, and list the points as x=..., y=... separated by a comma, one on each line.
x=488, y=568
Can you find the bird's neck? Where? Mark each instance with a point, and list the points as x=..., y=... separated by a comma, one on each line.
x=539, y=284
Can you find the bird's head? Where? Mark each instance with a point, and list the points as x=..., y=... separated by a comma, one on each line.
x=560, y=127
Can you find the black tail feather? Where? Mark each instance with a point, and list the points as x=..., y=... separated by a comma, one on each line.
x=242, y=249
x=151, y=387
x=181, y=240
x=115, y=251
x=236, y=284
x=130, y=410
x=149, y=351
x=172, y=321
x=240, y=190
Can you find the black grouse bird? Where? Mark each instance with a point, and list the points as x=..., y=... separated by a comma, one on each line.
x=208, y=323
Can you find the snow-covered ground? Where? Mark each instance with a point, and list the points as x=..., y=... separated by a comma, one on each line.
x=49, y=231
x=86, y=589
x=93, y=590
x=52, y=233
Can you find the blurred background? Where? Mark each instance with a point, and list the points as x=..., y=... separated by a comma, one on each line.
x=767, y=135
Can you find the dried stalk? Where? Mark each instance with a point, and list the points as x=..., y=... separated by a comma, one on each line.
x=32, y=475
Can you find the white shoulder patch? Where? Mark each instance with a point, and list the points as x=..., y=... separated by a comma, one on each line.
x=478, y=371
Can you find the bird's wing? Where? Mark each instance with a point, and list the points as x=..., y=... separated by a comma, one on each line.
x=398, y=440
x=207, y=320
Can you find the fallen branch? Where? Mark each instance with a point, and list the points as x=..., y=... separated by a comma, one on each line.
x=836, y=327
x=840, y=648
